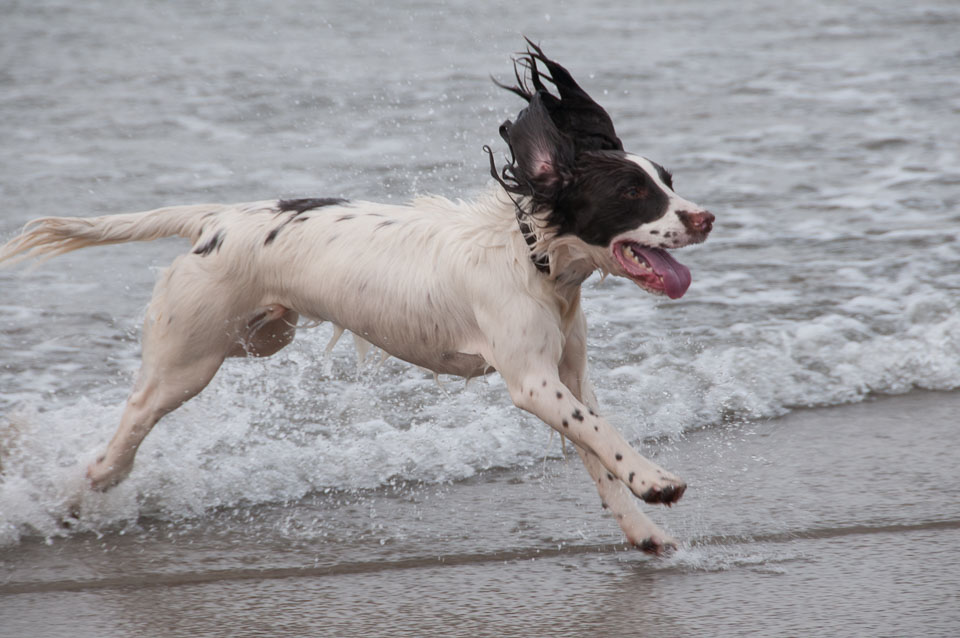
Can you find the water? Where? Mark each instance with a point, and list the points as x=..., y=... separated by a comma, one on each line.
x=825, y=137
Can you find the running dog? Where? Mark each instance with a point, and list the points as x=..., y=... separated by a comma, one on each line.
x=461, y=288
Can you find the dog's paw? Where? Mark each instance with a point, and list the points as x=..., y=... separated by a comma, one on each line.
x=69, y=520
x=73, y=490
x=651, y=483
x=657, y=545
x=102, y=475
x=666, y=494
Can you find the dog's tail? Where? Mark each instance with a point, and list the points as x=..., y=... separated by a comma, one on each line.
x=48, y=237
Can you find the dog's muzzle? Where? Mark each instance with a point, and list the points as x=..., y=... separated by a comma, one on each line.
x=698, y=224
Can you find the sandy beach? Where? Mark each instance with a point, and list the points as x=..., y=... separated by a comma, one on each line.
x=840, y=521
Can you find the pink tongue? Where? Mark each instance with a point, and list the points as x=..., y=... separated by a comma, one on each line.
x=676, y=276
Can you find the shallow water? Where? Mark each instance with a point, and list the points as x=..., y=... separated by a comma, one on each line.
x=824, y=137
x=832, y=521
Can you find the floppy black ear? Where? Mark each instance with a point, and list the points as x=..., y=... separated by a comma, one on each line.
x=574, y=112
x=543, y=156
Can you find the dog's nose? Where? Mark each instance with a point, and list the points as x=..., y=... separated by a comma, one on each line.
x=700, y=222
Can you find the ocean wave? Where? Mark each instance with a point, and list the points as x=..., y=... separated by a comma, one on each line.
x=277, y=430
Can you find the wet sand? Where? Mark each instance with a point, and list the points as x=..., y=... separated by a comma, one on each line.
x=841, y=521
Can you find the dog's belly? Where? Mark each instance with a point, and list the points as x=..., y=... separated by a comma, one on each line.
x=441, y=361
x=461, y=364
x=414, y=338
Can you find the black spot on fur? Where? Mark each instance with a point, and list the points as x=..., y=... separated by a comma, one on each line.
x=559, y=395
x=301, y=205
x=618, y=456
x=211, y=245
x=384, y=224
x=566, y=423
x=577, y=415
x=609, y=476
x=344, y=218
x=298, y=207
x=630, y=478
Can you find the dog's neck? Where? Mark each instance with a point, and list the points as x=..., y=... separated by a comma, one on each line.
x=564, y=259
x=540, y=261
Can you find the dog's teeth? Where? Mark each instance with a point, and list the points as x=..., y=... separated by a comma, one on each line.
x=637, y=259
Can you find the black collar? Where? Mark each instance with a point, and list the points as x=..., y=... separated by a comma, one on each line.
x=541, y=262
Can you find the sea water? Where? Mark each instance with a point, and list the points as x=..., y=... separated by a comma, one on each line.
x=825, y=138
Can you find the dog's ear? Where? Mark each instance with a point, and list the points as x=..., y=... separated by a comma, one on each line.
x=543, y=156
x=574, y=112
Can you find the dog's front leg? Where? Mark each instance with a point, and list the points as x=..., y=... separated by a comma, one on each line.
x=540, y=391
x=526, y=347
x=640, y=531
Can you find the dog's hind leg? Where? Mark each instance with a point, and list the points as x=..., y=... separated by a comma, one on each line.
x=162, y=386
x=190, y=328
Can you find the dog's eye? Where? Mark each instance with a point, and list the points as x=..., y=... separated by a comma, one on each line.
x=634, y=192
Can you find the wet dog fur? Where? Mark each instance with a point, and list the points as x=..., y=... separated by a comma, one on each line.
x=462, y=288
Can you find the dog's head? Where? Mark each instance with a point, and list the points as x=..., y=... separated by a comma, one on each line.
x=570, y=168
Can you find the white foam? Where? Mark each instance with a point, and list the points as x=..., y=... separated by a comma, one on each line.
x=276, y=430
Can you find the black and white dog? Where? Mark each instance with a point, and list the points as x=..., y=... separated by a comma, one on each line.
x=459, y=288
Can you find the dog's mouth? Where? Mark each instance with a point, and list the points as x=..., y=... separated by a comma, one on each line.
x=653, y=269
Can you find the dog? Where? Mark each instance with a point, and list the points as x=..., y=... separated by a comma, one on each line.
x=460, y=288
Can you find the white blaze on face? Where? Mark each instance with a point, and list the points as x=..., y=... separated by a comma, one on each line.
x=640, y=253
x=668, y=231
